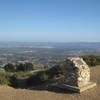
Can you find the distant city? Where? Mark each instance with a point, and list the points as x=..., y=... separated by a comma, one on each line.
x=43, y=54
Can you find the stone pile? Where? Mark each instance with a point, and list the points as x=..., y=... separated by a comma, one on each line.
x=77, y=75
x=77, y=72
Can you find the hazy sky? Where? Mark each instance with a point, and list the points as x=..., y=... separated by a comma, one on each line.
x=50, y=20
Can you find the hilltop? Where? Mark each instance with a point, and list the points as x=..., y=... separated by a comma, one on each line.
x=7, y=93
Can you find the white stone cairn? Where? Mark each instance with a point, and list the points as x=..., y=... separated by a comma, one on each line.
x=77, y=75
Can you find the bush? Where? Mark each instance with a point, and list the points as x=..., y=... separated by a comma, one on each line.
x=54, y=72
x=5, y=78
x=18, y=67
x=13, y=81
x=10, y=67
x=37, y=79
x=43, y=76
x=29, y=66
x=92, y=60
x=4, y=81
x=18, y=76
x=24, y=67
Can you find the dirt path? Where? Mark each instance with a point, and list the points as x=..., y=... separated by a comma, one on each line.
x=7, y=93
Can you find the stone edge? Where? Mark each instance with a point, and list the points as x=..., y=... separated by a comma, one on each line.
x=78, y=89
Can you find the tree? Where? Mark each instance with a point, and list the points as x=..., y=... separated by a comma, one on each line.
x=29, y=66
x=10, y=67
x=25, y=67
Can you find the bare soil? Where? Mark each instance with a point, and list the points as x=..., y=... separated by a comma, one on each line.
x=8, y=93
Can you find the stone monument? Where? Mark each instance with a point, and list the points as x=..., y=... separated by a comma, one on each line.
x=77, y=75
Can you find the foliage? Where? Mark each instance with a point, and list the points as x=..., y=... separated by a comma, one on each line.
x=25, y=67
x=18, y=67
x=5, y=78
x=4, y=81
x=54, y=71
x=11, y=79
x=44, y=75
x=92, y=60
x=37, y=78
x=10, y=67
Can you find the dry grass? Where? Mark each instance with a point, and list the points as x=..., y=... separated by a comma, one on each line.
x=7, y=93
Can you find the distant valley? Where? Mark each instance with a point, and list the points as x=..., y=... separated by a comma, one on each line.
x=44, y=53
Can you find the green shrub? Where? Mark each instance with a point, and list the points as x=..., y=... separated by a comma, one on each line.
x=92, y=60
x=44, y=75
x=54, y=72
x=5, y=78
x=24, y=67
x=18, y=67
x=18, y=76
x=37, y=79
x=13, y=81
x=4, y=81
x=22, y=74
x=10, y=67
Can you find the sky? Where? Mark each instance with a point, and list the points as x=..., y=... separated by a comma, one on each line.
x=50, y=20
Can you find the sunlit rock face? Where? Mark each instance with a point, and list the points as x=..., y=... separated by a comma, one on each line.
x=77, y=72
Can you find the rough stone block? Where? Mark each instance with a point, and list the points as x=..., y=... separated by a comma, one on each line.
x=77, y=75
x=78, y=89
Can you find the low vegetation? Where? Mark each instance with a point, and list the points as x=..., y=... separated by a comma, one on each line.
x=92, y=60
x=5, y=78
x=11, y=79
x=44, y=75
x=18, y=67
x=24, y=71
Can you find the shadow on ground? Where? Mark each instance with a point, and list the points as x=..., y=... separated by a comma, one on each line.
x=47, y=86
x=52, y=89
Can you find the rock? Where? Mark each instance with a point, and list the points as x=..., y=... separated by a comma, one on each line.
x=77, y=74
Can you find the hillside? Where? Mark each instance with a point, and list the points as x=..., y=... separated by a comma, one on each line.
x=7, y=93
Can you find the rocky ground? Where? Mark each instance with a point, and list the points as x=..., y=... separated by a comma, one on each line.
x=8, y=93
